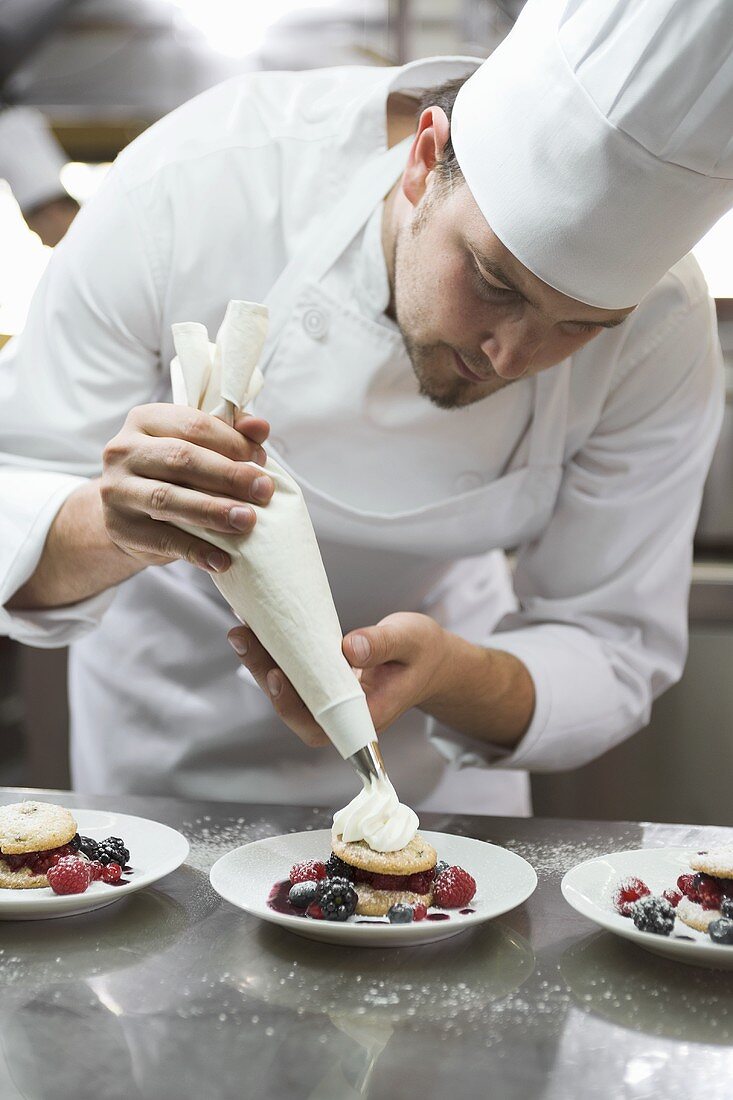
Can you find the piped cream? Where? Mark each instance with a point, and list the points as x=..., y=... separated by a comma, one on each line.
x=378, y=817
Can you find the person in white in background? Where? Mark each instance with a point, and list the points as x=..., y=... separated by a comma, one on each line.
x=494, y=357
x=31, y=160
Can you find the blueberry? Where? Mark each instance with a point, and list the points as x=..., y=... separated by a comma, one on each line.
x=721, y=930
x=440, y=867
x=726, y=907
x=302, y=894
x=400, y=913
x=652, y=914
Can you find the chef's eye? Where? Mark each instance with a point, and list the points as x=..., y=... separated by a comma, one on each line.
x=580, y=329
x=489, y=290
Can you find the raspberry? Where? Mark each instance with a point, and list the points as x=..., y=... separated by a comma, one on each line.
x=95, y=870
x=709, y=891
x=310, y=871
x=628, y=892
x=420, y=912
x=338, y=900
x=111, y=873
x=339, y=868
x=69, y=876
x=652, y=914
x=314, y=910
x=674, y=897
x=685, y=883
x=454, y=888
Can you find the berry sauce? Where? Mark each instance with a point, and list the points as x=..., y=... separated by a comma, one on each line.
x=438, y=916
x=465, y=912
x=279, y=901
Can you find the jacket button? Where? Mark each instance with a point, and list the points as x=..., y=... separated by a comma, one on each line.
x=464, y=483
x=315, y=323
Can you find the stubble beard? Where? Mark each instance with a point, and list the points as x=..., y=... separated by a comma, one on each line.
x=432, y=363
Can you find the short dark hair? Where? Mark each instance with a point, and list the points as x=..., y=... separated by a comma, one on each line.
x=444, y=96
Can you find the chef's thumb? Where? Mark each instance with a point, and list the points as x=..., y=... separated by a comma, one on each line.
x=372, y=646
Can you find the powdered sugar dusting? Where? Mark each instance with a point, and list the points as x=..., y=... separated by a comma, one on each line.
x=210, y=839
x=550, y=858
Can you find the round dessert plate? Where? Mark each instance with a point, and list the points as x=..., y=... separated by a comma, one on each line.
x=589, y=888
x=246, y=876
x=155, y=851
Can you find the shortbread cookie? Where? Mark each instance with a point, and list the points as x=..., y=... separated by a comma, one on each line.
x=20, y=879
x=693, y=915
x=717, y=862
x=377, y=903
x=34, y=827
x=418, y=855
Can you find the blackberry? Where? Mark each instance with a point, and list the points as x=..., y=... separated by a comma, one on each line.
x=112, y=850
x=726, y=907
x=303, y=893
x=338, y=899
x=338, y=868
x=400, y=913
x=85, y=845
x=652, y=914
x=441, y=866
x=721, y=930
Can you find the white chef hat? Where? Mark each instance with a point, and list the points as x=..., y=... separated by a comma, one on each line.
x=597, y=139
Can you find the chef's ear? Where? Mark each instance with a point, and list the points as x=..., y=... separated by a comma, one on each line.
x=433, y=131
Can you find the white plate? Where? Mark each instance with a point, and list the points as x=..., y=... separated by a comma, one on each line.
x=589, y=888
x=155, y=851
x=245, y=877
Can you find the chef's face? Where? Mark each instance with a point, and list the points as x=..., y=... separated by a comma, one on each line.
x=473, y=318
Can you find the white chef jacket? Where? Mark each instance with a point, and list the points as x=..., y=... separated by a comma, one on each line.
x=213, y=203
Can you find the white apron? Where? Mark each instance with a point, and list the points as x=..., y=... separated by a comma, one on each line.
x=166, y=714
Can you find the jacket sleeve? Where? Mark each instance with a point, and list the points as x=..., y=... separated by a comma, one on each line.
x=87, y=355
x=603, y=592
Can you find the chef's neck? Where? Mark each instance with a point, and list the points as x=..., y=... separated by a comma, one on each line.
x=401, y=118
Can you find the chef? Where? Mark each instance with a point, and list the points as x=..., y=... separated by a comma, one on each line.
x=31, y=160
x=485, y=335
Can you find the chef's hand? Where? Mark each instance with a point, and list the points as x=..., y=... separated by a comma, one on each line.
x=400, y=663
x=169, y=464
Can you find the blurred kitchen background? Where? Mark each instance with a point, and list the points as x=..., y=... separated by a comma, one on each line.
x=78, y=80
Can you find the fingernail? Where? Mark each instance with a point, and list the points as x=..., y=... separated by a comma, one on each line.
x=217, y=561
x=262, y=488
x=238, y=644
x=274, y=684
x=240, y=518
x=361, y=647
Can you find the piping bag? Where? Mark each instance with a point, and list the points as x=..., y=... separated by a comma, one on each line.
x=277, y=582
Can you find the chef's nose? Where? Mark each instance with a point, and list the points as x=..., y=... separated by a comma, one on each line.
x=512, y=348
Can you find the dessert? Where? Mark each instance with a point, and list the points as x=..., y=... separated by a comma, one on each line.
x=40, y=847
x=32, y=836
x=702, y=899
x=385, y=879
x=346, y=890
x=706, y=888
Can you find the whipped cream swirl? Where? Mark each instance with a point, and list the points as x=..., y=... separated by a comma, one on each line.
x=377, y=816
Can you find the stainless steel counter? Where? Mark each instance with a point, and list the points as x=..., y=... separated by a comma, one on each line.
x=173, y=994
